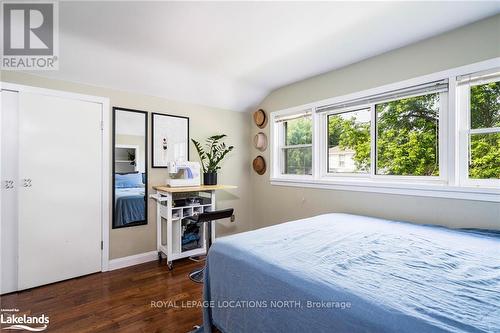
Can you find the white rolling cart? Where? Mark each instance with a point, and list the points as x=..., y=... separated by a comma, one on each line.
x=170, y=226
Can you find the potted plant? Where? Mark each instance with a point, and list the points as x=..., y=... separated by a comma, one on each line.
x=212, y=156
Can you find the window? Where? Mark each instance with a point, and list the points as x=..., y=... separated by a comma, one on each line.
x=437, y=135
x=297, y=144
x=408, y=136
x=349, y=142
x=403, y=141
x=341, y=160
x=481, y=101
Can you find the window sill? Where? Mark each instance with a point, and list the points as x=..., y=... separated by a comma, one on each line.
x=415, y=189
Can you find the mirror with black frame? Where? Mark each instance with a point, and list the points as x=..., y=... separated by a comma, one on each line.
x=130, y=167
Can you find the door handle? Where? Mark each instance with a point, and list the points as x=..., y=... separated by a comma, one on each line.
x=26, y=182
x=8, y=184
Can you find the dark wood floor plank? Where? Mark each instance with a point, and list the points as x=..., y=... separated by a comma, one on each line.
x=116, y=301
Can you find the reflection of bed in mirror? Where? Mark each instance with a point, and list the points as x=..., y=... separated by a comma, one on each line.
x=129, y=199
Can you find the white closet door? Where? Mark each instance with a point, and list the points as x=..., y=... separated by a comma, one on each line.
x=9, y=171
x=60, y=193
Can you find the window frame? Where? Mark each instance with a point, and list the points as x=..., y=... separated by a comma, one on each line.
x=450, y=182
x=278, y=140
x=372, y=175
x=465, y=133
x=442, y=142
x=324, y=137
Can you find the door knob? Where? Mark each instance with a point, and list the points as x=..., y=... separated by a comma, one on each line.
x=8, y=184
x=26, y=182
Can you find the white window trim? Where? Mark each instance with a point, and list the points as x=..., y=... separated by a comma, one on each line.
x=465, y=130
x=323, y=134
x=277, y=137
x=449, y=184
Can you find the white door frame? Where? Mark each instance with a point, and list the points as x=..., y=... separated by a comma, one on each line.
x=105, y=153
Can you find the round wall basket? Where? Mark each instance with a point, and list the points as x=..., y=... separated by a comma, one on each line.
x=259, y=165
x=260, y=141
x=260, y=118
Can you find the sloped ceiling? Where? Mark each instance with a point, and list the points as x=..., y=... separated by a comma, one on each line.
x=230, y=55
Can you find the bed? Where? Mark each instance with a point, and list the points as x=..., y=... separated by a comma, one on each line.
x=130, y=204
x=347, y=273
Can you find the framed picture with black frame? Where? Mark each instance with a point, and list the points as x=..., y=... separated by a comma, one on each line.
x=170, y=139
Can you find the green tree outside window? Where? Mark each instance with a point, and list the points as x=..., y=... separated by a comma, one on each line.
x=485, y=148
x=407, y=140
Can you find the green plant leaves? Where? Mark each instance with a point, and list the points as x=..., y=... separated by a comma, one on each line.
x=214, y=152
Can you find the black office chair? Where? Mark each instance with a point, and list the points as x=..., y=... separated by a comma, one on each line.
x=197, y=275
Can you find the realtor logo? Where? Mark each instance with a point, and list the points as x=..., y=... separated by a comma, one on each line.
x=30, y=36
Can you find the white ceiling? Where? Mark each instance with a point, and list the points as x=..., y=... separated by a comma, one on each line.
x=232, y=54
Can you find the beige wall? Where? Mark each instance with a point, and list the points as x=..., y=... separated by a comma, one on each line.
x=274, y=204
x=204, y=121
x=256, y=202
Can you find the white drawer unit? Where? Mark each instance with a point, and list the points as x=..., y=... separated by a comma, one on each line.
x=172, y=225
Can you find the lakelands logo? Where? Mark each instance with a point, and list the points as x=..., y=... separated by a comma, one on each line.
x=30, y=36
x=15, y=321
x=24, y=322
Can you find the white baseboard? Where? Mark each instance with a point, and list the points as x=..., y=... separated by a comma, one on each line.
x=132, y=260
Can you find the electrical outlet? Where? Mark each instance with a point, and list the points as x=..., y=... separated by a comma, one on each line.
x=233, y=218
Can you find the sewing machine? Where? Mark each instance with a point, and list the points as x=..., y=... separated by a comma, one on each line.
x=184, y=173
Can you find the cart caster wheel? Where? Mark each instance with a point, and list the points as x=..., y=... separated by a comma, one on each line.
x=159, y=257
x=170, y=266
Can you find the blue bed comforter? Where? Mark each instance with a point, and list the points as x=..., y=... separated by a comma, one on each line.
x=130, y=205
x=347, y=273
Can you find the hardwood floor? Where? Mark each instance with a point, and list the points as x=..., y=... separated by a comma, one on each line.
x=117, y=301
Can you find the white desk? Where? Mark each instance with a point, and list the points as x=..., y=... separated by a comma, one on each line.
x=172, y=217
